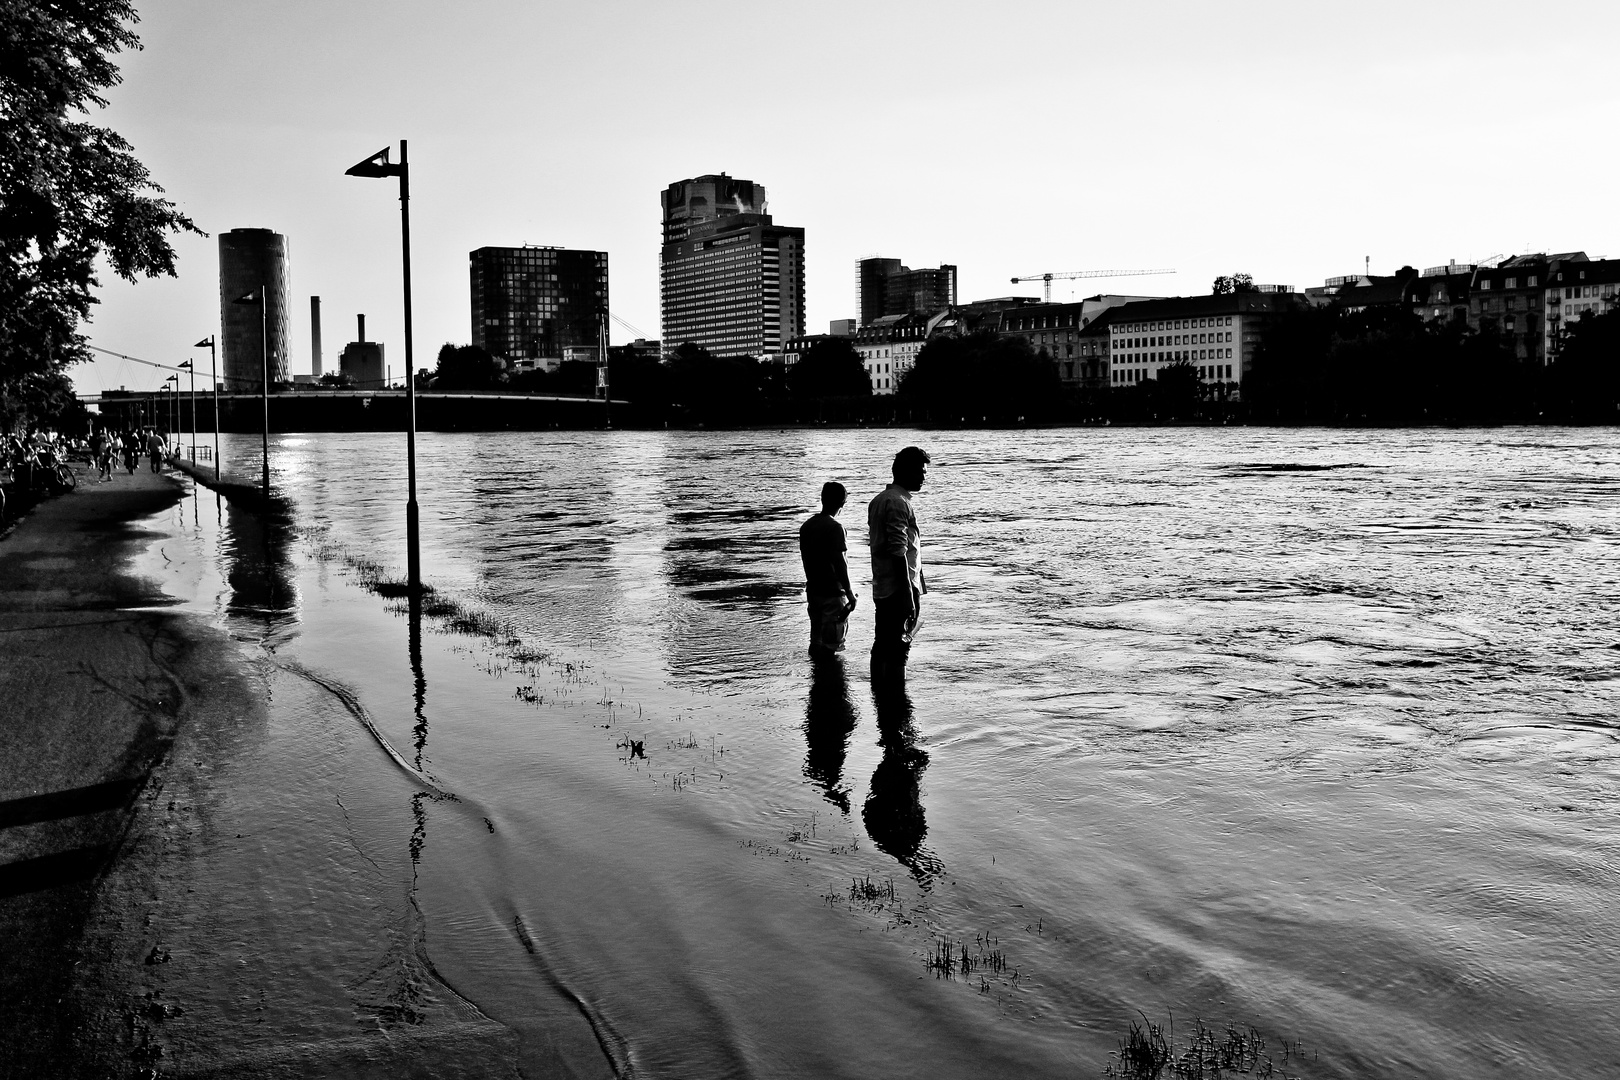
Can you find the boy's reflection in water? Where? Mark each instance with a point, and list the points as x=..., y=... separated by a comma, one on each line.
x=893, y=813
x=829, y=720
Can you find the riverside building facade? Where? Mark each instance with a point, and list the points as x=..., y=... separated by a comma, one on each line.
x=889, y=346
x=730, y=280
x=1217, y=335
x=1058, y=331
x=532, y=306
x=248, y=259
x=1576, y=290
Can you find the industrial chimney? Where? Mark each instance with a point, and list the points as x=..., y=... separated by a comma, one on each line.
x=315, y=336
x=362, y=338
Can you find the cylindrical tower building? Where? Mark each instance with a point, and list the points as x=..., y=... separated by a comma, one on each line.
x=249, y=258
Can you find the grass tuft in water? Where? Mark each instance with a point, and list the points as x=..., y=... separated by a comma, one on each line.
x=1206, y=1053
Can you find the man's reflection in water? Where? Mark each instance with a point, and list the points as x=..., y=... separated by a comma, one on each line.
x=829, y=720
x=893, y=813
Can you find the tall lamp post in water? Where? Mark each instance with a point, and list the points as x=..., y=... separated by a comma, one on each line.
x=261, y=297
x=378, y=165
x=213, y=376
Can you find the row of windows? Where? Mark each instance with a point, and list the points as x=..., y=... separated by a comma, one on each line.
x=1172, y=340
x=1508, y=283
x=1171, y=356
x=1136, y=375
x=1178, y=324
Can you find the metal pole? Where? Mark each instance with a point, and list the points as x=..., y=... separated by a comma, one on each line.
x=193, y=369
x=213, y=373
x=264, y=385
x=607, y=373
x=413, y=550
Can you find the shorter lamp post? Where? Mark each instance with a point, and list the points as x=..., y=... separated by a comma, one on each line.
x=186, y=364
x=174, y=406
x=213, y=375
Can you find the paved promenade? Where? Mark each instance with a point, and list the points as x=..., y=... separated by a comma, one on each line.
x=119, y=719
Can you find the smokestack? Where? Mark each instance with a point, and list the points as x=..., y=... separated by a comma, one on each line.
x=362, y=337
x=315, y=336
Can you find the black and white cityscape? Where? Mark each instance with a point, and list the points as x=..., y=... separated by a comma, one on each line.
x=617, y=540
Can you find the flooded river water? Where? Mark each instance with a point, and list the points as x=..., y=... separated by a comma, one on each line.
x=1313, y=731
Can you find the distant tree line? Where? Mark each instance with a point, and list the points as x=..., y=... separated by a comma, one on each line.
x=1387, y=366
x=1380, y=366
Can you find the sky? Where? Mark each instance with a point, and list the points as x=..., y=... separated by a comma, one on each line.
x=1287, y=141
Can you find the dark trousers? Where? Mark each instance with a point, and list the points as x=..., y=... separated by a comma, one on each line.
x=894, y=624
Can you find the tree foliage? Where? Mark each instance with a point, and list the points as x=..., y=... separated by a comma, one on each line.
x=1236, y=283
x=466, y=367
x=716, y=389
x=1584, y=382
x=831, y=368
x=70, y=191
x=981, y=377
x=1384, y=365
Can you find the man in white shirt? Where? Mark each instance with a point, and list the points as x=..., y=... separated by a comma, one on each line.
x=897, y=578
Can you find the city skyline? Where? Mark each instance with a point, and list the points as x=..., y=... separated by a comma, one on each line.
x=1291, y=149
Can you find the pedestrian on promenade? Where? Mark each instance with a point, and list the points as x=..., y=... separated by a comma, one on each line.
x=101, y=453
x=132, y=451
x=155, y=445
x=898, y=584
x=826, y=575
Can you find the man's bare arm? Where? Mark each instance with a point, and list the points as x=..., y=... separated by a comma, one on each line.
x=843, y=577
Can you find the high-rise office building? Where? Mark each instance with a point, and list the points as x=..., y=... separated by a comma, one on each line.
x=248, y=259
x=730, y=280
x=530, y=304
x=885, y=287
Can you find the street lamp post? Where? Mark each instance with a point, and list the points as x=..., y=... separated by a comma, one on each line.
x=174, y=407
x=378, y=165
x=187, y=365
x=261, y=297
x=213, y=377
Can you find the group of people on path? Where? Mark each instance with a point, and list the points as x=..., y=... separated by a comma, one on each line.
x=108, y=448
x=898, y=583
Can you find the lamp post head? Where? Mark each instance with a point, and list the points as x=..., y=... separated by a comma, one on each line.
x=205, y=343
x=185, y=364
x=376, y=165
x=250, y=298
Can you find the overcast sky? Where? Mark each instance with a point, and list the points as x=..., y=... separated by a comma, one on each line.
x=1288, y=141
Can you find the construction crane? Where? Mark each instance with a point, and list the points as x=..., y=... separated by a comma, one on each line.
x=1049, y=278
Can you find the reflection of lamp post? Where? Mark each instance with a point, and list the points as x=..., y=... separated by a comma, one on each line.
x=213, y=376
x=378, y=165
x=261, y=298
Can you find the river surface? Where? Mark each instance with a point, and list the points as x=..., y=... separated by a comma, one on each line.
x=1309, y=731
